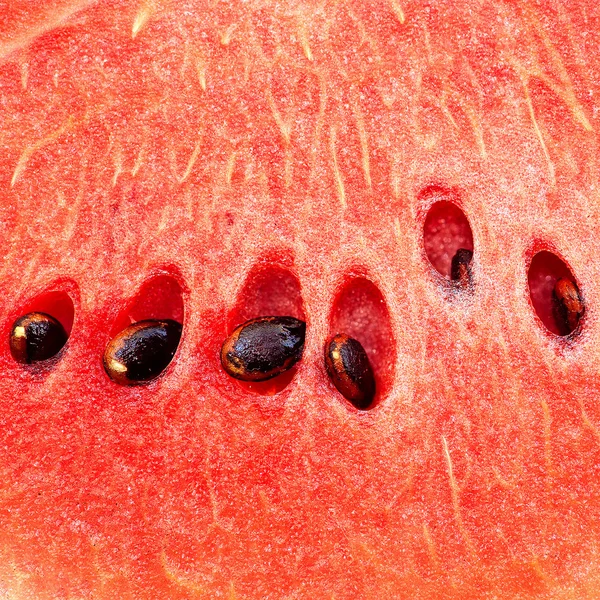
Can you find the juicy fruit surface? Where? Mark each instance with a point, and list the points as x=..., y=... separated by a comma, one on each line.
x=279, y=159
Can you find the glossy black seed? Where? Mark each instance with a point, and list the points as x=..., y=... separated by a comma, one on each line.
x=568, y=305
x=348, y=366
x=36, y=337
x=460, y=269
x=141, y=351
x=263, y=348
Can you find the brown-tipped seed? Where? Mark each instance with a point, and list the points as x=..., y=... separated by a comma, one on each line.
x=569, y=305
x=350, y=370
x=36, y=337
x=263, y=348
x=141, y=351
x=460, y=269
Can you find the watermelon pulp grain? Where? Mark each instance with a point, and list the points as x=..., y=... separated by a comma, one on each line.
x=223, y=161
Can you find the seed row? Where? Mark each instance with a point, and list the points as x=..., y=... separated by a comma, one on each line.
x=257, y=350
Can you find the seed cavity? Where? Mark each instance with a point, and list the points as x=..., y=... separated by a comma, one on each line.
x=460, y=269
x=263, y=348
x=349, y=368
x=446, y=228
x=554, y=294
x=142, y=351
x=361, y=311
x=568, y=305
x=36, y=337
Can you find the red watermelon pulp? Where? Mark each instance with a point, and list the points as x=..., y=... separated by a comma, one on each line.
x=211, y=162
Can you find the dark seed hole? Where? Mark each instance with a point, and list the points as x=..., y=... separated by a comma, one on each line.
x=146, y=334
x=555, y=294
x=44, y=327
x=142, y=351
x=445, y=232
x=361, y=313
x=269, y=290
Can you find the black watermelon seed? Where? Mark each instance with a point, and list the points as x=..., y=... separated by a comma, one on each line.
x=460, y=270
x=141, y=351
x=263, y=348
x=568, y=305
x=350, y=370
x=36, y=337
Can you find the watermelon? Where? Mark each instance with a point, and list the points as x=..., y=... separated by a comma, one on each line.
x=209, y=163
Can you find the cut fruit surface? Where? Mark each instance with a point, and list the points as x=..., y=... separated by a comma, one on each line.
x=211, y=163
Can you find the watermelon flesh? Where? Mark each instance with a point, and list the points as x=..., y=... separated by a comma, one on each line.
x=215, y=162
